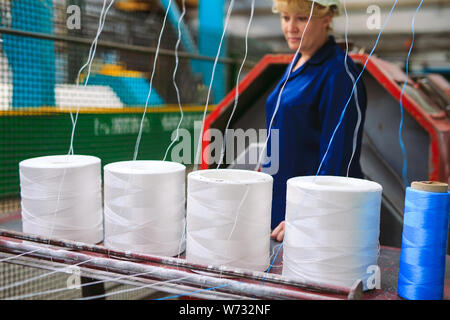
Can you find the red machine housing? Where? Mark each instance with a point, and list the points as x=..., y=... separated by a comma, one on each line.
x=436, y=124
x=425, y=133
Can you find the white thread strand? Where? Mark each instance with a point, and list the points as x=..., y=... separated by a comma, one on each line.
x=40, y=293
x=133, y=289
x=236, y=98
x=36, y=294
x=177, y=60
x=19, y=255
x=224, y=228
x=92, y=51
x=358, y=124
x=334, y=239
x=138, y=141
x=18, y=283
x=200, y=138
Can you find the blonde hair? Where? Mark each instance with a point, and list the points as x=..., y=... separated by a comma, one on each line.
x=304, y=7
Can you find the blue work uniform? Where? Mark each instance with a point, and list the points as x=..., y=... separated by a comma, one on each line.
x=311, y=106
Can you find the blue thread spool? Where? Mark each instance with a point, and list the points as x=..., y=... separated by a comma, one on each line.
x=424, y=241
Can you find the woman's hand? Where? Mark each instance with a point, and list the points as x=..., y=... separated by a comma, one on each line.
x=278, y=232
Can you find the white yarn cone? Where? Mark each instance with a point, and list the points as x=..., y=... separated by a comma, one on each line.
x=145, y=207
x=61, y=197
x=332, y=229
x=228, y=218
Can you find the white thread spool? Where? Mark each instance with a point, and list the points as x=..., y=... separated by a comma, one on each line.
x=332, y=229
x=61, y=197
x=228, y=218
x=145, y=207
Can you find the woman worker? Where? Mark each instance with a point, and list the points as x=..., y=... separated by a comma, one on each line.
x=312, y=101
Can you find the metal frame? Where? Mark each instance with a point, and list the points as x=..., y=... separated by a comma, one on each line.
x=190, y=276
x=120, y=46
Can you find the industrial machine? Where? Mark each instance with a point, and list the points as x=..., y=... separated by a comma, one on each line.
x=426, y=127
x=427, y=138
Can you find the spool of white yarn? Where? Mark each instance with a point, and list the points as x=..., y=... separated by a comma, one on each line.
x=228, y=218
x=332, y=229
x=61, y=197
x=145, y=207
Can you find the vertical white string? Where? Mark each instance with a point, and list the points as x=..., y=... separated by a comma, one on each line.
x=138, y=141
x=177, y=60
x=236, y=98
x=88, y=64
x=197, y=159
x=358, y=123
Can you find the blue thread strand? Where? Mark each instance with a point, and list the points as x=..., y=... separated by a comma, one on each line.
x=421, y=274
x=354, y=87
x=273, y=261
x=192, y=292
x=402, y=145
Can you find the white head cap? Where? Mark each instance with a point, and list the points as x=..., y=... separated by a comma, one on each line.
x=327, y=3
